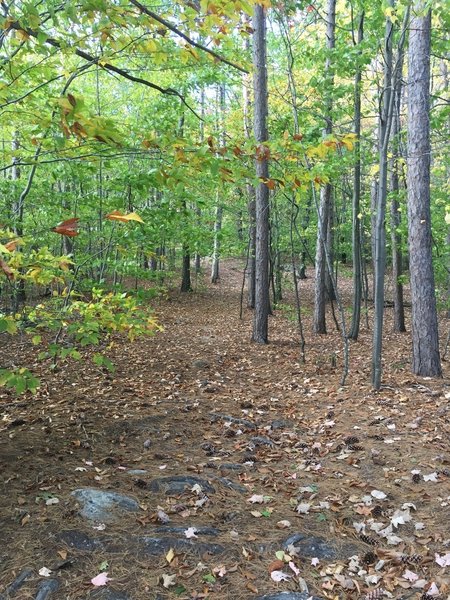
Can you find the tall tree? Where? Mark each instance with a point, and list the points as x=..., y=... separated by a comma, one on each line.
x=261, y=314
x=425, y=338
x=323, y=227
x=356, y=201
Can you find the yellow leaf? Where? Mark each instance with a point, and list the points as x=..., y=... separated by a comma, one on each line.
x=374, y=170
x=447, y=218
x=118, y=216
x=170, y=556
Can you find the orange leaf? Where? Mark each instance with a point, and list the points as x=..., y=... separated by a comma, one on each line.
x=6, y=270
x=116, y=215
x=270, y=183
x=12, y=245
x=68, y=227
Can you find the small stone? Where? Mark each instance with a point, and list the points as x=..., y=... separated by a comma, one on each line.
x=147, y=444
x=200, y=364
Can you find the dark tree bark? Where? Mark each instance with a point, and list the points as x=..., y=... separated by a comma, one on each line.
x=261, y=314
x=425, y=339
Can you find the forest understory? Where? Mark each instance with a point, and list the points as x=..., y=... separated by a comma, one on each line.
x=254, y=473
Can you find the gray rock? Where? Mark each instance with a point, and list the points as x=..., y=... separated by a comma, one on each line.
x=79, y=541
x=200, y=364
x=230, y=419
x=280, y=424
x=136, y=472
x=311, y=546
x=98, y=505
x=46, y=588
x=237, y=487
x=18, y=582
x=177, y=484
x=156, y=546
x=289, y=596
x=261, y=440
x=212, y=531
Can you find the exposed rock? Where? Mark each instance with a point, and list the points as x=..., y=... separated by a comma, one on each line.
x=261, y=440
x=17, y=583
x=212, y=531
x=155, y=546
x=79, y=541
x=316, y=547
x=177, y=484
x=99, y=505
x=46, y=589
x=237, y=487
x=200, y=364
x=136, y=472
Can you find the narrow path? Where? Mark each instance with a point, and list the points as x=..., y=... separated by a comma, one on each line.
x=205, y=457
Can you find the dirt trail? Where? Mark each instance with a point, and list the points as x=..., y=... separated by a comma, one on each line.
x=194, y=423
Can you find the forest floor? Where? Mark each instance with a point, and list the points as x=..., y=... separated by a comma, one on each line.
x=244, y=471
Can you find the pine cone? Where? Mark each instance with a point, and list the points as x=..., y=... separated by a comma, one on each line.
x=355, y=447
x=374, y=594
x=368, y=540
x=369, y=558
x=377, y=511
x=414, y=559
x=416, y=478
x=351, y=439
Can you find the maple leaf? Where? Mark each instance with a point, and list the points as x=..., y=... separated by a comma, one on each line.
x=444, y=560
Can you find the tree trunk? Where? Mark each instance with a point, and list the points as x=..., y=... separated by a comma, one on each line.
x=396, y=238
x=425, y=339
x=219, y=208
x=356, y=200
x=251, y=203
x=261, y=315
x=322, y=245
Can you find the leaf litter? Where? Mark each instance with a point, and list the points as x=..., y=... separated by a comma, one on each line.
x=346, y=464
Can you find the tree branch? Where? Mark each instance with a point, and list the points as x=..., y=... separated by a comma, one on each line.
x=107, y=66
x=175, y=30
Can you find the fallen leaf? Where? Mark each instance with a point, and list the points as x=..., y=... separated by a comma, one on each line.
x=100, y=579
x=168, y=580
x=279, y=576
x=170, y=555
x=44, y=572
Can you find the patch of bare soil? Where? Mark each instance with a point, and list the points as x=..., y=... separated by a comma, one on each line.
x=246, y=472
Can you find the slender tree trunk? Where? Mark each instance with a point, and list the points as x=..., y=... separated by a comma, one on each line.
x=356, y=200
x=251, y=194
x=424, y=323
x=219, y=208
x=261, y=315
x=186, y=285
x=198, y=210
x=387, y=112
x=396, y=238
x=322, y=246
